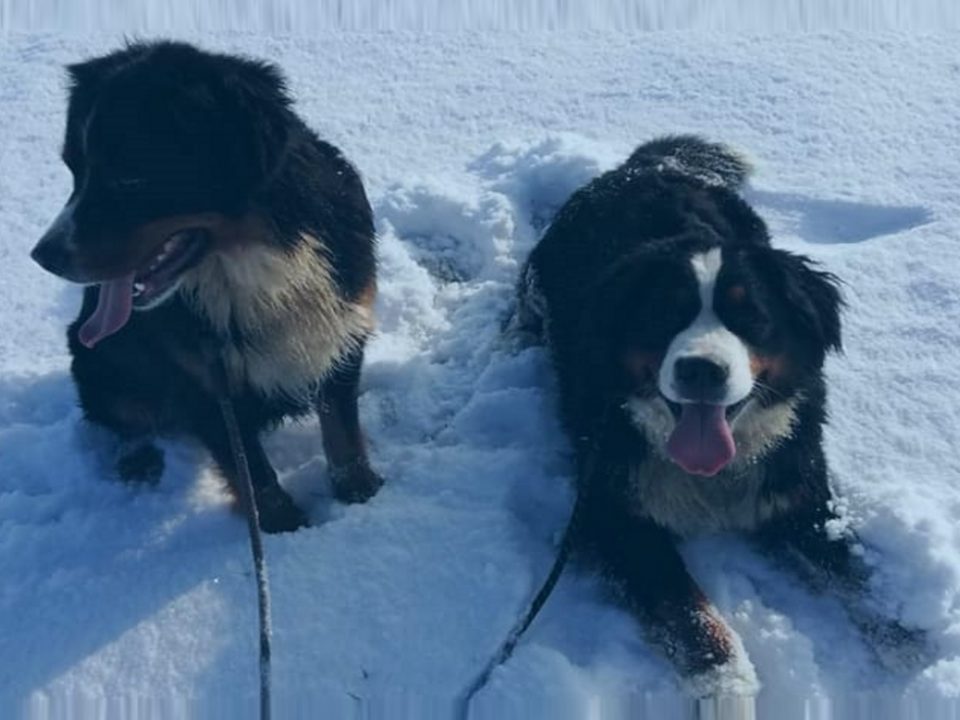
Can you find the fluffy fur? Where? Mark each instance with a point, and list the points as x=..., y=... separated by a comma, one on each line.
x=673, y=323
x=285, y=305
x=195, y=163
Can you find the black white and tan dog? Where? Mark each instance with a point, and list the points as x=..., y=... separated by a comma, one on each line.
x=208, y=221
x=690, y=355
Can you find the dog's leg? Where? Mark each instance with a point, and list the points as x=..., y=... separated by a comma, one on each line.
x=278, y=512
x=139, y=460
x=113, y=400
x=827, y=563
x=643, y=562
x=351, y=475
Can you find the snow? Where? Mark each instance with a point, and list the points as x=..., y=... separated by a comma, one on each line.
x=304, y=18
x=124, y=602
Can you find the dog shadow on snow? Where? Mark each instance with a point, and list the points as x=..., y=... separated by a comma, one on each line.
x=88, y=558
x=825, y=221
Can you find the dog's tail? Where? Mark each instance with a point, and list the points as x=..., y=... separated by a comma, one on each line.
x=711, y=163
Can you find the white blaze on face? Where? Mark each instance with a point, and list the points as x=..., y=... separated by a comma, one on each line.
x=708, y=338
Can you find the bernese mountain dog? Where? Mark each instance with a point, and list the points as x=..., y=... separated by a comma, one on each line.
x=208, y=222
x=689, y=355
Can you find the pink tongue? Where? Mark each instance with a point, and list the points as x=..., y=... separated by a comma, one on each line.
x=702, y=443
x=113, y=311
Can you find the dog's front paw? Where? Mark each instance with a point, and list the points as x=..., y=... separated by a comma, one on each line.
x=277, y=511
x=140, y=462
x=355, y=483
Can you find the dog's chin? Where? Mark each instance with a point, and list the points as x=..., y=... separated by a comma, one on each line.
x=163, y=274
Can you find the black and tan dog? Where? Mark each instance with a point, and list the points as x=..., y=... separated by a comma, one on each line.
x=205, y=213
x=690, y=360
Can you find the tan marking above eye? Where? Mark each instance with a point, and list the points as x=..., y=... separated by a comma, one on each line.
x=736, y=293
x=766, y=365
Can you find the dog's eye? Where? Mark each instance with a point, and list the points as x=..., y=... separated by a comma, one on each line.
x=739, y=310
x=749, y=322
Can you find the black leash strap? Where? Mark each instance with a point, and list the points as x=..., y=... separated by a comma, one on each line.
x=587, y=467
x=539, y=600
x=253, y=526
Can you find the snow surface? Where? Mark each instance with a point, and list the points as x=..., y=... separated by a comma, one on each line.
x=306, y=17
x=118, y=602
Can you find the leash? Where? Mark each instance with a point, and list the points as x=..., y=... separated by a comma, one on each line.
x=540, y=599
x=227, y=410
x=586, y=470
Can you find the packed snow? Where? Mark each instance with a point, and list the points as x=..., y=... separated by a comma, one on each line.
x=139, y=602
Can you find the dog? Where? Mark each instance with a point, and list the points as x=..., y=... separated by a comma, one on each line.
x=689, y=355
x=212, y=227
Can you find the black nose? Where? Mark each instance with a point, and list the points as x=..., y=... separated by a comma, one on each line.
x=699, y=378
x=52, y=256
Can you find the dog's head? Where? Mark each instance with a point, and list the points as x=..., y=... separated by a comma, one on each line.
x=165, y=143
x=715, y=345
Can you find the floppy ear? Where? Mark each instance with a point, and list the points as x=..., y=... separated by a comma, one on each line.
x=812, y=295
x=257, y=93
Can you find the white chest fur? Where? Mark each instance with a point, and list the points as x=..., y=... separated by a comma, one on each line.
x=285, y=305
x=733, y=500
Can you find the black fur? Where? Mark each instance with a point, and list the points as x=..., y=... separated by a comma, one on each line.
x=161, y=130
x=212, y=132
x=611, y=280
